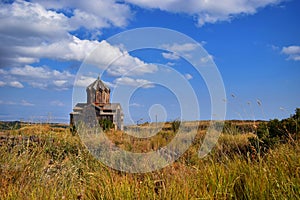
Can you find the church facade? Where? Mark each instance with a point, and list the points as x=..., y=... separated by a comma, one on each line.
x=98, y=107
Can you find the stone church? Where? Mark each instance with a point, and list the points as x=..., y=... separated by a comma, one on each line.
x=98, y=107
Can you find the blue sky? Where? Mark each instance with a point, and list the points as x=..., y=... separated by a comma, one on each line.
x=254, y=44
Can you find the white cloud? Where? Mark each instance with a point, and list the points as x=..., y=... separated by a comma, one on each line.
x=59, y=83
x=32, y=20
x=2, y=71
x=171, y=56
x=41, y=28
x=274, y=47
x=69, y=48
x=16, y=84
x=134, y=82
x=34, y=30
x=30, y=31
x=21, y=103
x=57, y=103
x=180, y=48
x=38, y=77
x=136, y=105
x=26, y=103
x=46, y=17
x=186, y=50
x=293, y=52
x=109, y=84
x=84, y=81
x=45, y=78
x=93, y=13
x=11, y=103
x=207, y=11
x=188, y=76
x=39, y=72
x=38, y=85
x=170, y=64
x=75, y=49
x=117, y=61
x=207, y=59
x=2, y=83
x=24, y=24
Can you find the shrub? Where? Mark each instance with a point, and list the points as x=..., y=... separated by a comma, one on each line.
x=106, y=124
x=175, y=125
x=275, y=132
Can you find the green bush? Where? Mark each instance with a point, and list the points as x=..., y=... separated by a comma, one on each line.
x=106, y=124
x=175, y=125
x=275, y=132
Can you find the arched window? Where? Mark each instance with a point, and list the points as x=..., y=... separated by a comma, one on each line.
x=98, y=97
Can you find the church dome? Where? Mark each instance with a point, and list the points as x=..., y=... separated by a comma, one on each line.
x=98, y=84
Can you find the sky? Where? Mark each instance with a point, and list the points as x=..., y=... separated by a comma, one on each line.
x=51, y=50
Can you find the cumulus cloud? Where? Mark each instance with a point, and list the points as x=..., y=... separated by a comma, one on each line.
x=205, y=11
x=16, y=84
x=180, y=48
x=49, y=18
x=93, y=13
x=70, y=48
x=59, y=83
x=32, y=20
x=32, y=30
x=37, y=77
x=117, y=61
x=186, y=50
x=134, y=82
x=2, y=83
x=42, y=72
x=84, y=81
x=45, y=78
x=171, y=56
x=293, y=52
x=24, y=25
x=21, y=103
x=41, y=29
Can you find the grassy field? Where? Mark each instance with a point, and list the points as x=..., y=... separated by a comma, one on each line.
x=48, y=162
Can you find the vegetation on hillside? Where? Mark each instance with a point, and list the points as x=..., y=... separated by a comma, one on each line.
x=275, y=132
x=54, y=164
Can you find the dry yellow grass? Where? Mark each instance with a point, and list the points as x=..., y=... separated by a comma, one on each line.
x=61, y=168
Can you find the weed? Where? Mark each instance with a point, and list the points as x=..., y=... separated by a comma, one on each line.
x=58, y=166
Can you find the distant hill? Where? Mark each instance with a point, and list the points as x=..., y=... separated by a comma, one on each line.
x=10, y=125
x=14, y=125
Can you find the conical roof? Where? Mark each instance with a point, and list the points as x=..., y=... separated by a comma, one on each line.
x=98, y=84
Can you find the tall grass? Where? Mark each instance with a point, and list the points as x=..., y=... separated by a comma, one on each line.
x=57, y=166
